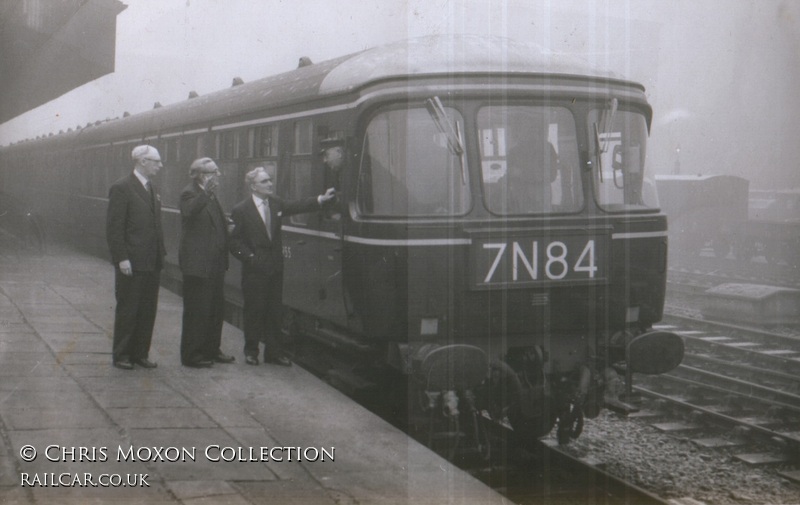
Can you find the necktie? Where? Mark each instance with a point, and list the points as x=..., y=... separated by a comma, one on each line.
x=265, y=215
x=150, y=191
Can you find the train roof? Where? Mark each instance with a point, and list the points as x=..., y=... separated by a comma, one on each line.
x=452, y=55
x=425, y=56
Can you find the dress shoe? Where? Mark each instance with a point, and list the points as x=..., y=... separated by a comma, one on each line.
x=282, y=361
x=223, y=358
x=145, y=363
x=124, y=364
x=251, y=360
x=203, y=363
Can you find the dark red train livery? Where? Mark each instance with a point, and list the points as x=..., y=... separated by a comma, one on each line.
x=493, y=239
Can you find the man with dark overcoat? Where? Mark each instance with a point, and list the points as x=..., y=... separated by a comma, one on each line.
x=203, y=258
x=136, y=242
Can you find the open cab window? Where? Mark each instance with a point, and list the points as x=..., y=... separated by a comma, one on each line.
x=409, y=167
x=619, y=145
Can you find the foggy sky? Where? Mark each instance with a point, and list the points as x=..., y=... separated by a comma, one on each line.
x=721, y=74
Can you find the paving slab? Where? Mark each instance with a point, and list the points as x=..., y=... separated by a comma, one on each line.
x=151, y=417
x=58, y=400
x=142, y=399
x=188, y=489
x=39, y=418
x=254, y=433
x=294, y=493
x=23, y=383
x=207, y=461
x=33, y=369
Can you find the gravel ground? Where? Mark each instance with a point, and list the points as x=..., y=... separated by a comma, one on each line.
x=673, y=467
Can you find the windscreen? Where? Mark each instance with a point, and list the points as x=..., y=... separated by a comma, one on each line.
x=409, y=168
x=529, y=159
x=619, y=144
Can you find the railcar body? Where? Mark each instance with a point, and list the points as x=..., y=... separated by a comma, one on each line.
x=491, y=238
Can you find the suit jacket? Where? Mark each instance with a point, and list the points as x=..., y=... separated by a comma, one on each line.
x=249, y=241
x=133, y=225
x=203, y=250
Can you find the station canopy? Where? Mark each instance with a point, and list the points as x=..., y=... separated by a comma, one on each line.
x=51, y=47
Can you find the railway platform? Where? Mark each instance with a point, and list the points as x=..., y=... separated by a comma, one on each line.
x=76, y=430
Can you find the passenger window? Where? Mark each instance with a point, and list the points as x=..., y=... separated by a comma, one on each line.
x=302, y=137
x=304, y=182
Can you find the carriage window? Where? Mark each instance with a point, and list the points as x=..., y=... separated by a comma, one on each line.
x=407, y=168
x=302, y=137
x=529, y=159
x=619, y=140
x=229, y=145
x=174, y=150
x=200, y=149
x=262, y=142
x=304, y=182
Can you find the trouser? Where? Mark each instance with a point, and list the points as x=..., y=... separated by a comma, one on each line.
x=135, y=314
x=263, y=306
x=203, y=313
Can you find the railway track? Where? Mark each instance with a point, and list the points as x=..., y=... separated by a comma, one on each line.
x=738, y=389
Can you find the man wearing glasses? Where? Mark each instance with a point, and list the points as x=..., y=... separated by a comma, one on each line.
x=136, y=242
x=256, y=242
x=203, y=257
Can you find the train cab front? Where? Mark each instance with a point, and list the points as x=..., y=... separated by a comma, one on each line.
x=528, y=260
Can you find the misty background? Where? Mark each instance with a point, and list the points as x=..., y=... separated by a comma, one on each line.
x=721, y=75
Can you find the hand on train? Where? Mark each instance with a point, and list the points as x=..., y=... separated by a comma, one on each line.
x=330, y=194
x=125, y=268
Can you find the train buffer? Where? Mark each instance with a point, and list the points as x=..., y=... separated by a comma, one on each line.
x=753, y=303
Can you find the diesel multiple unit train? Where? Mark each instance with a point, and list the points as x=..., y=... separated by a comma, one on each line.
x=492, y=241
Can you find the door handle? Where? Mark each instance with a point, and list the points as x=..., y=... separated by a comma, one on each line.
x=301, y=242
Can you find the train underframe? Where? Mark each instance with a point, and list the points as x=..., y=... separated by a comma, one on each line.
x=524, y=393
x=454, y=396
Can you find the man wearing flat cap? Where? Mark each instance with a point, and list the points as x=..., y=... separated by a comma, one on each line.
x=203, y=258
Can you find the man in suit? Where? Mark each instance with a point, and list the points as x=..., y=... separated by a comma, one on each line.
x=256, y=242
x=203, y=258
x=136, y=242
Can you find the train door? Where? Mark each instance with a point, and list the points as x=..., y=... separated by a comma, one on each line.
x=312, y=241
